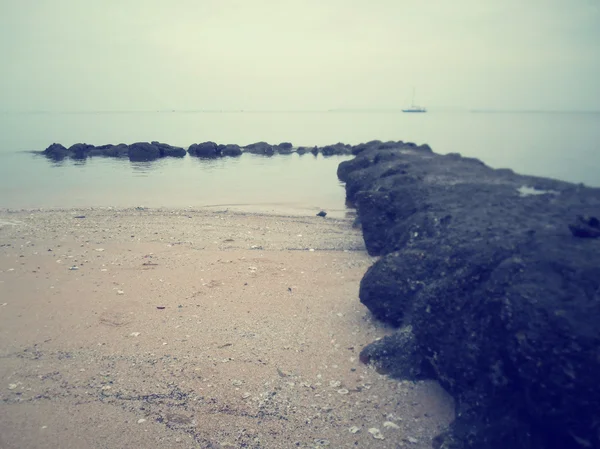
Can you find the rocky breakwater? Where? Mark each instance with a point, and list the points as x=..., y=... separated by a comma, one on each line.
x=493, y=280
x=139, y=151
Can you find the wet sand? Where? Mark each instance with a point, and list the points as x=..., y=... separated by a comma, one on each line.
x=194, y=329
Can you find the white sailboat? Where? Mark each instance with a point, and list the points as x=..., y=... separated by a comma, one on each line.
x=413, y=106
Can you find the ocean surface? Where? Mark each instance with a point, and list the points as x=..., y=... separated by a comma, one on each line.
x=558, y=145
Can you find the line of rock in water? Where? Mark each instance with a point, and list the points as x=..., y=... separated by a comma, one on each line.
x=148, y=151
x=493, y=280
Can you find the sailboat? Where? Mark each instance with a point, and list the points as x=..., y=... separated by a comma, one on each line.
x=414, y=107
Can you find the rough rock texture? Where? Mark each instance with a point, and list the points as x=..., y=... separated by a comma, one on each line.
x=140, y=151
x=260, y=148
x=204, y=149
x=498, y=276
x=169, y=150
x=230, y=150
x=143, y=151
x=302, y=150
x=56, y=152
x=338, y=148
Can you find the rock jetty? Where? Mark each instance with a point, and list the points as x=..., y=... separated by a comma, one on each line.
x=493, y=281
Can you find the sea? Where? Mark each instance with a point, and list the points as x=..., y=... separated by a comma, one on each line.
x=560, y=145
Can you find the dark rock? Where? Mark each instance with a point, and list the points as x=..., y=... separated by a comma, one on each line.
x=586, y=227
x=80, y=150
x=322, y=214
x=284, y=148
x=204, y=150
x=167, y=150
x=338, y=148
x=502, y=300
x=230, y=150
x=315, y=150
x=120, y=150
x=56, y=152
x=143, y=151
x=262, y=148
x=398, y=355
x=302, y=150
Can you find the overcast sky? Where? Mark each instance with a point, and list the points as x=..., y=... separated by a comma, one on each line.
x=298, y=54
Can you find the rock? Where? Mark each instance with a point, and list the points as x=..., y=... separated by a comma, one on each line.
x=376, y=433
x=321, y=442
x=143, y=151
x=56, y=152
x=390, y=425
x=302, y=150
x=120, y=150
x=322, y=214
x=586, y=227
x=167, y=150
x=204, y=150
x=230, y=150
x=80, y=150
x=262, y=148
x=338, y=148
x=141, y=420
x=284, y=148
x=501, y=295
x=354, y=429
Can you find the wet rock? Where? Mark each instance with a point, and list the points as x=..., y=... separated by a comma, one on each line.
x=80, y=150
x=143, y=151
x=230, y=150
x=284, y=148
x=262, y=148
x=338, y=148
x=302, y=150
x=167, y=150
x=204, y=150
x=322, y=214
x=502, y=299
x=56, y=152
x=109, y=150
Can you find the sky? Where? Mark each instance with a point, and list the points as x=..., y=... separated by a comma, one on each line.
x=84, y=55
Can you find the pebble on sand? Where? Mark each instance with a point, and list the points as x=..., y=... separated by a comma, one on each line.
x=141, y=420
x=354, y=429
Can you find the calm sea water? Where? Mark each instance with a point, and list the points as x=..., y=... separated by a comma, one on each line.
x=558, y=145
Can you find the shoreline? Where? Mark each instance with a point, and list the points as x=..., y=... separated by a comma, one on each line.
x=257, y=344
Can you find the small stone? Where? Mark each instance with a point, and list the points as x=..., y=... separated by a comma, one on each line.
x=100, y=249
x=320, y=442
x=343, y=391
x=334, y=383
x=246, y=395
x=106, y=387
x=73, y=268
x=120, y=292
x=376, y=433
x=412, y=440
x=390, y=425
x=236, y=383
x=354, y=429
x=311, y=250
x=134, y=334
x=322, y=214
x=12, y=386
x=141, y=420
x=4, y=304
x=44, y=427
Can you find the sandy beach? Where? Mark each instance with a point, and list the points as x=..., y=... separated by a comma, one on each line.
x=154, y=328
